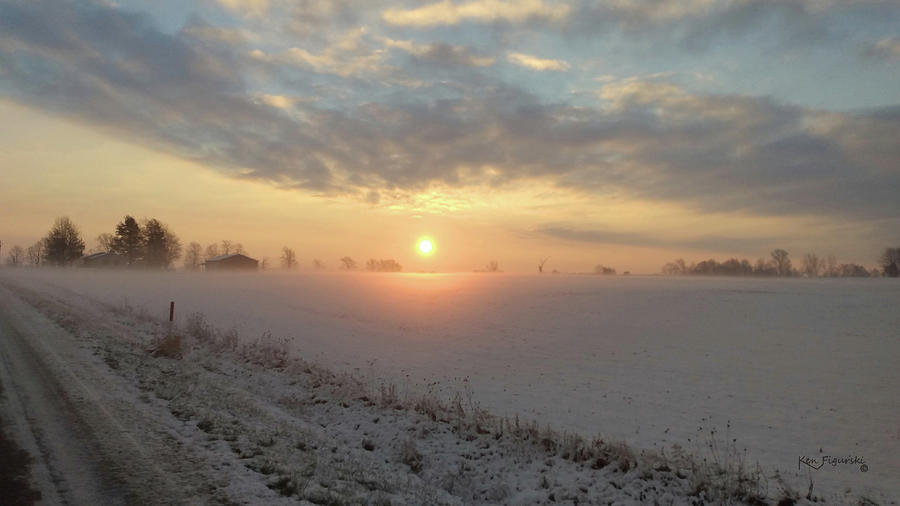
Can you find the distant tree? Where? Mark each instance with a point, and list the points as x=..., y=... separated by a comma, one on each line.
x=830, y=267
x=348, y=263
x=890, y=262
x=764, y=268
x=811, y=265
x=492, y=266
x=853, y=271
x=129, y=240
x=226, y=247
x=16, y=256
x=604, y=270
x=193, y=256
x=105, y=241
x=212, y=251
x=35, y=253
x=541, y=263
x=239, y=248
x=383, y=265
x=264, y=264
x=318, y=264
x=63, y=244
x=161, y=246
x=782, y=262
x=288, y=258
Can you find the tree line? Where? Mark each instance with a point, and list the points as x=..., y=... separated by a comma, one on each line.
x=779, y=264
x=149, y=243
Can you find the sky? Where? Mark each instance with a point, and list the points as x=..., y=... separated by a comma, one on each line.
x=617, y=132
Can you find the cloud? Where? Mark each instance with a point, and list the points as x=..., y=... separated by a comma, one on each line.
x=703, y=242
x=450, y=13
x=247, y=7
x=645, y=137
x=441, y=53
x=535, y=63
x=887, y=48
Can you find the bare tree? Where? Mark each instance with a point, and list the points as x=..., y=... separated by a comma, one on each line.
x=831, y=266
x=782, y=262
x=105, y=241
x=890, y=262
x=383, y=265
x=16, y=256
x=264, y=264
x=541, y=263
x=226, y=247
x=604, y=270
x=318, y=264
x=193, y=255
x=492, y=266
x=35, y=253
x=349, y=264
x=288, y=258
x=811, y=265
x=239, y=248
x=211, y=251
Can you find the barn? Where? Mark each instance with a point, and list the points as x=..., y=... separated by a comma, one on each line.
x=231, y=262
x=103, y=259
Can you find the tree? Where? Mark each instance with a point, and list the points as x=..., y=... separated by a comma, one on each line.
x=782, y=262
x=383, y=265
x=492, y=266
x=35, y=253
x=831, y=266
x=193, y=256
x=239, y=249
x=105, y=241
x=349, y=264
x=318, y=264
x=154, y=244
x=63, y=244
x=226, y=247
x=604, y=270
x=811, y=265
x=288, y=258
x=161, y=246
x=16, y=256
x=890, y=262
x=212, y=251
x=541, y=263
x=129, y=240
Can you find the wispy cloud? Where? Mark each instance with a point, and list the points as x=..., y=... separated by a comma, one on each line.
x=447, y=12
x=535, y=63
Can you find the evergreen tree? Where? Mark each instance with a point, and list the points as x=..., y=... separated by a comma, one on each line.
x=63, y=244
x=129, y=241
x=155, y=246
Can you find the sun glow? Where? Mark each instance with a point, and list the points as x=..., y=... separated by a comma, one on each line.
x=426, y=247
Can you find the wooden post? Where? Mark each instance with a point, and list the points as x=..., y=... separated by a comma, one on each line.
x=172, y=311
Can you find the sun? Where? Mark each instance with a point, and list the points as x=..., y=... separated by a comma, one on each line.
x=426, y=246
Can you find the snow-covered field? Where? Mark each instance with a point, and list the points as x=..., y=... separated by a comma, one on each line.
x=788, y=368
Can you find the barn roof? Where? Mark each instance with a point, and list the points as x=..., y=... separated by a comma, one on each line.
x=230, y=255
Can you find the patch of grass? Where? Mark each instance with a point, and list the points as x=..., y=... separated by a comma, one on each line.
x=410, y=456
x=170, y=346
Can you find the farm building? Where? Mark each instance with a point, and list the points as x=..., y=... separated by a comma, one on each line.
x=103, y=259
x=232, y=262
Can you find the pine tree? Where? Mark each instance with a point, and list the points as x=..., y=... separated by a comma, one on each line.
x=129, y=241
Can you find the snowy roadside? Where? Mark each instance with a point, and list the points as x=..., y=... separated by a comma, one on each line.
x=249, y=424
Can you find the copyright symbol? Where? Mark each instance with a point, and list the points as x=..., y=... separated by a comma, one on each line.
x=864, y=468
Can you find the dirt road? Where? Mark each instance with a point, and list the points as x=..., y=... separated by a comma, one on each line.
x=78, y=425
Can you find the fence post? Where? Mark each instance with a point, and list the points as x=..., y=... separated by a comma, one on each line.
x=172, y=311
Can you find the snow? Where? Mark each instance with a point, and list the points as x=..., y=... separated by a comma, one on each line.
x=788, y=368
